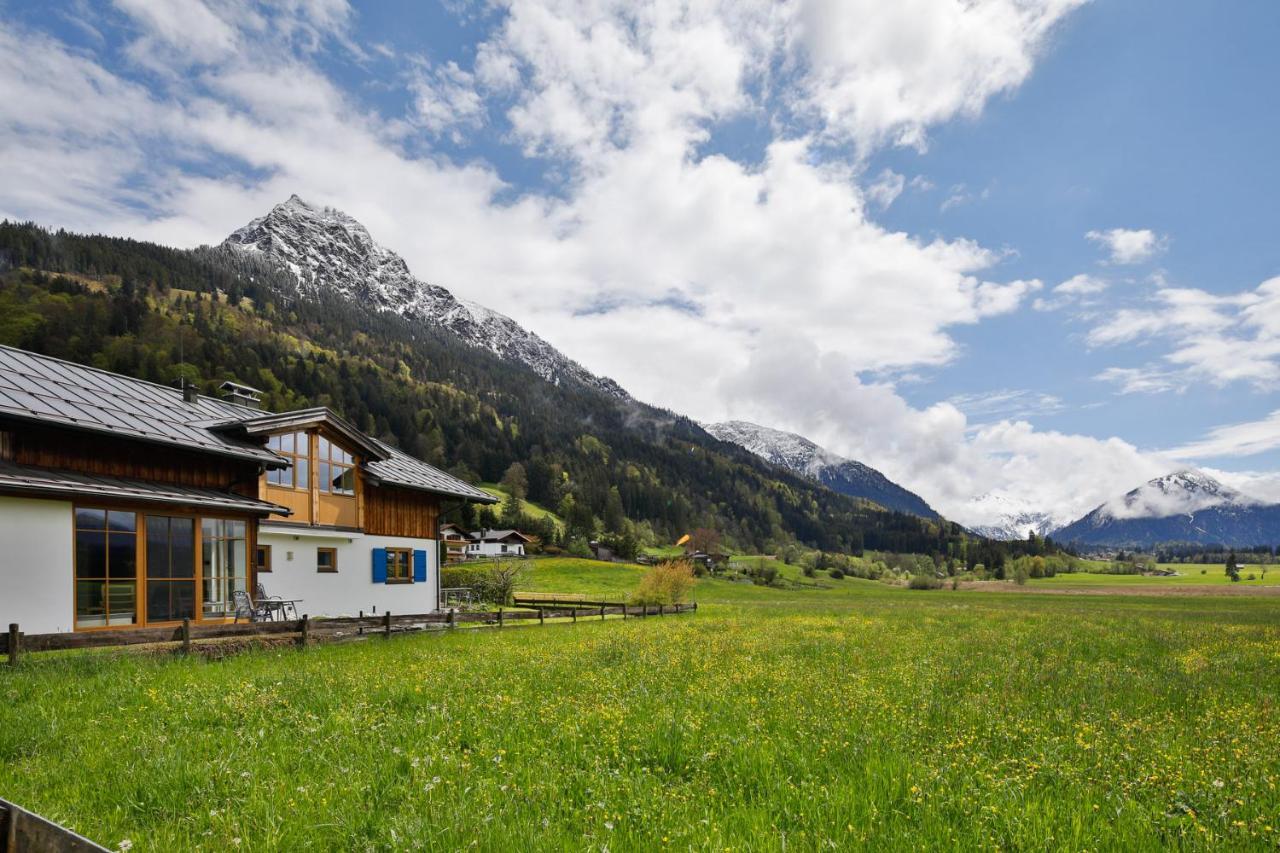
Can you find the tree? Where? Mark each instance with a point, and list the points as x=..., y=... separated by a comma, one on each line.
x=614, y=517
x=704, y=539
x=515, y=482
x=1233, y=568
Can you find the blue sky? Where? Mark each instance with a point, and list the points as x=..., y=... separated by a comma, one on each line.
x=997, y=248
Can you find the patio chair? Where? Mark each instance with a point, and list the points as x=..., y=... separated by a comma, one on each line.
x=276, y=604
x=246, y=608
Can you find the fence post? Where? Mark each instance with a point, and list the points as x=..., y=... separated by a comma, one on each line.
x=499, y=617
x=624, y=611
x=542, y=616
x=15, y=641
x=574, y=611
x=601, y=612
x=659, y=609
x=452, y=614
x=304, y=630
x=695, y=607
x=386, y=625
x=360, y=627
x=186, y=635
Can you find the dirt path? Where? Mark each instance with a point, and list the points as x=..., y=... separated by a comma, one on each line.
x=1144, y=589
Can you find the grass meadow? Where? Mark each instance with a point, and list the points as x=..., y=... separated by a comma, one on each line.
x=855, y=716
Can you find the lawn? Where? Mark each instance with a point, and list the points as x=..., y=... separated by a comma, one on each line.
x=861, y=715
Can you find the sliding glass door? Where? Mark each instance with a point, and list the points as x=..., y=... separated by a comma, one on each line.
x=224, y=564
x=171, y=568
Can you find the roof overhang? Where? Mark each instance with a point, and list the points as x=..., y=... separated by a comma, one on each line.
x=50, y=483
x=305, y=419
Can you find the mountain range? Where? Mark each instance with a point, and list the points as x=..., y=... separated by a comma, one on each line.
x=1183, y=507
x=801, y=456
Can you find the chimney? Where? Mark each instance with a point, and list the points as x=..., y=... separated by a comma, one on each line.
x=188, y=389
x=242, y=395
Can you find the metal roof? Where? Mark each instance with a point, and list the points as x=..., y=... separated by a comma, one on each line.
x=401, y=469
x=46, y=481
x=267, y=423
x=50, y=390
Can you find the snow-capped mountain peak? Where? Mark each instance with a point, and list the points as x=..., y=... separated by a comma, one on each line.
x=1180, y=493
x=1003, y=516
x=801, y=456
x=329, y=251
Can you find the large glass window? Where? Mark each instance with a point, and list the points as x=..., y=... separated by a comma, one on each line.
x=171, y=568
x=334, y=468
x=296, y=448
x=224, y=563
x=106, y=567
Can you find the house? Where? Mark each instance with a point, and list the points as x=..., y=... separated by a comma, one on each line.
x=497, y=543
x=126, y=503
x=455, y=541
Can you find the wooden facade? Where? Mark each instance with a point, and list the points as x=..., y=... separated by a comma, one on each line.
x=395, y=511
x=93, y=453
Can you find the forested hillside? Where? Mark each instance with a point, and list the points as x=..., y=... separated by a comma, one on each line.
x=607, y=465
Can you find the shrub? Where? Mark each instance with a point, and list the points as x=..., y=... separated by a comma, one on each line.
x=924, y=582
x=836, y=574
x=493, y=583
x=1020, y=576
x=666, y=583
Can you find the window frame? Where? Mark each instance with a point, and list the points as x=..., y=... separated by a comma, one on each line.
x=293, y=456
x=106, y=580
x=333, y=561
x=335, y=460
x=392, y=553
x=261, y=566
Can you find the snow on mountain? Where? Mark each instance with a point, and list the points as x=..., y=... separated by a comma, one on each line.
x=327, y=250
x=1003, y=516
x=1185, y=506
x=1179, y=493
x=801, y=456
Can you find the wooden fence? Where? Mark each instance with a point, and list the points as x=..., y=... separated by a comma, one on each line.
x=306, y=630
x=24, y=832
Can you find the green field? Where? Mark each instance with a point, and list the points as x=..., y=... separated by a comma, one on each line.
x=1214, y=575
x=860, y=715
x=529, y=508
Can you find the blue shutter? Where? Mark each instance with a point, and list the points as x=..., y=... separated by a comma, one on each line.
x=419, y=566
x=379, y=565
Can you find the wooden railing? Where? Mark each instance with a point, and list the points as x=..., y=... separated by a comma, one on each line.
x=24, y=832
x=306, y=630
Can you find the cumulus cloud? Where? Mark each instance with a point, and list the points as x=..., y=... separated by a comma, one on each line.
x=1079, y=290
x=1129, y=246
x=1214, y=339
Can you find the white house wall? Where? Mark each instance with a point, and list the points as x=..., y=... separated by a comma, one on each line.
x=351, y=589
x=36, y=583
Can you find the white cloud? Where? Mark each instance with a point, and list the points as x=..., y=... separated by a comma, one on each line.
x=1007, y=403
x=1080, y=290
x=447, y=100
x=884, y=72
x=1129, y=246
x=886, y=188
x=1243, y=439
x=1213, y=339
